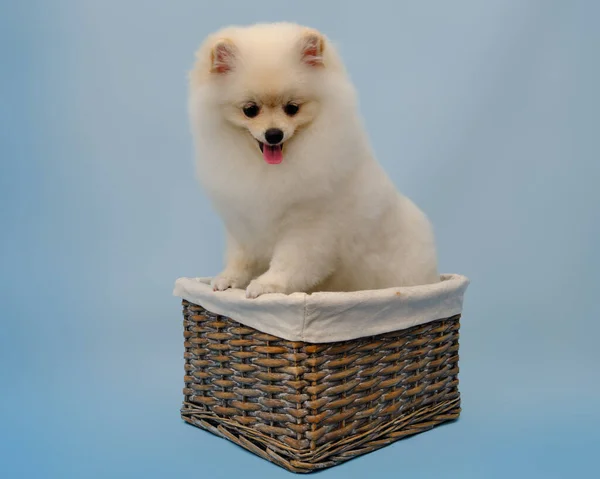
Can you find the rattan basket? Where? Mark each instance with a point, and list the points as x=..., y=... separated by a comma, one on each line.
x=306, y=406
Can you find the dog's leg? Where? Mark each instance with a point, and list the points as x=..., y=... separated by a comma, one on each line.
x=301, y=260
x=239, y=270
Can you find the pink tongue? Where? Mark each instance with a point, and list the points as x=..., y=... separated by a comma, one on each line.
x=272, y=154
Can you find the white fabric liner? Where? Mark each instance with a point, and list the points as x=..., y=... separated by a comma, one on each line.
x=327, y=317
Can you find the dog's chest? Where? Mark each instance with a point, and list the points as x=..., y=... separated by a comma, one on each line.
x=250, y=215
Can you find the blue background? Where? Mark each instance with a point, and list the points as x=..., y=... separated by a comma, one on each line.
x=485, y=113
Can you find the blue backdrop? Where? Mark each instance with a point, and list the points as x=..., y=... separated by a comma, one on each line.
x=485, y=113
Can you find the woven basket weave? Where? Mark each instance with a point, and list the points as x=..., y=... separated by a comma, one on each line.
x=308, y=406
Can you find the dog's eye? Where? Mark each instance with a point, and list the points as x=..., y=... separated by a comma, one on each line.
x=291, y=109
x=251, y=110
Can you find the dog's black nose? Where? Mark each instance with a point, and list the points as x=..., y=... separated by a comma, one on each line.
x=273, y=136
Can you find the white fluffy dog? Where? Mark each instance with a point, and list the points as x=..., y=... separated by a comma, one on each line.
x=282, y=153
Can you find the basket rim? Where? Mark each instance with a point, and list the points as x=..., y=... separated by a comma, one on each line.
x=331, y=316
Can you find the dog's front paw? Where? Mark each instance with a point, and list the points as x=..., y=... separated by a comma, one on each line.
x=225, y=281
x=262, y=286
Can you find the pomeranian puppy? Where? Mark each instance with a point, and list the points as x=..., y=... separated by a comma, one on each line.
x=282, y=153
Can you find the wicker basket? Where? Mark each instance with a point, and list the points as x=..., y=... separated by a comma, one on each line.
x=308, y=406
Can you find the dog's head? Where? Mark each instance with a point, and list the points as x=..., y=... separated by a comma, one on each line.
x=267, y=81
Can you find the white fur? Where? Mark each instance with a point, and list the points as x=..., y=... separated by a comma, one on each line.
x=327, y=218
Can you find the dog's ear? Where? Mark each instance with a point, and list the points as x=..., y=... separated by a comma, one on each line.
x=222, y=56
x=312, y=46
